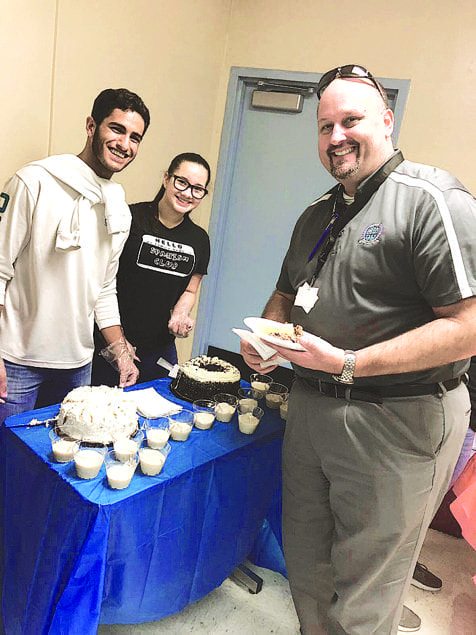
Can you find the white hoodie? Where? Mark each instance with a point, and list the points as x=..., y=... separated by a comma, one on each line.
x=62, y=230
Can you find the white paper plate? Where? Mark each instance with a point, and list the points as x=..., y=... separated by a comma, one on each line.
x=263, y=327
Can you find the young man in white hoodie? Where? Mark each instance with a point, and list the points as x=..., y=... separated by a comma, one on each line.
x=63, y=223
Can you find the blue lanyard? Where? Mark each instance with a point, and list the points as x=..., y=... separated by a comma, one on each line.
x=327, y=230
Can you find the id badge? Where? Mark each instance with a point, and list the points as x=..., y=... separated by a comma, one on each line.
x=306, y=297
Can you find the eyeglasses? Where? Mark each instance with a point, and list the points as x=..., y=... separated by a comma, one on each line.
x=345, y=72
x=181, y=184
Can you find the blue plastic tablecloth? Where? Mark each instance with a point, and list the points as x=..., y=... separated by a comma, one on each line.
x=77, y=553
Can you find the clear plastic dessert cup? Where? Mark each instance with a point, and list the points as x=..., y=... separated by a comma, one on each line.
x=261, y=383
x=276, y=395
x=225, y=406
x=248, y=398
x=127, y=447
x=88, y=460
x=203, y=413
x=157, y=432
x=119, y=472
x=152, y=460
x=181, y=425
x=248, y=421
x=283, y=408
x=63, y=448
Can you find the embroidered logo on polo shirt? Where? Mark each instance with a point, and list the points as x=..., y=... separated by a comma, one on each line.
x=371, y=235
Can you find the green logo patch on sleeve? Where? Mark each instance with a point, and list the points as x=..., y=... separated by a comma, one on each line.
x=4, y=198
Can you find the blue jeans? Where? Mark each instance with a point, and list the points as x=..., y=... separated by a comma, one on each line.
x=30, y=387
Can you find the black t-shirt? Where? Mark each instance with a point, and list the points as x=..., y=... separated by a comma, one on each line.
x=154, y=270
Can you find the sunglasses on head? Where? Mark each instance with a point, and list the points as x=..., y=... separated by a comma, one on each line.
x=347, y=72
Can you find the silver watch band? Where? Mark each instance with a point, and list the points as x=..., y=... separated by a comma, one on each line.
x=347, y=374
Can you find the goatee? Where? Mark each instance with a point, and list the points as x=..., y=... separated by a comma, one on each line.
x=344, y=171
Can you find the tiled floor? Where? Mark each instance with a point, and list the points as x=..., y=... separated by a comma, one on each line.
x=451, y=611
x=231, y=609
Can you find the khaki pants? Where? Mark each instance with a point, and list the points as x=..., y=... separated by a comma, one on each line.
x=361, y=483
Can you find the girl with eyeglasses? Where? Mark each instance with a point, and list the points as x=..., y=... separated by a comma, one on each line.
x=160, y=270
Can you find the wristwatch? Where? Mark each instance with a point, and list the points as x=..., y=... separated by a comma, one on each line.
x=347, y=374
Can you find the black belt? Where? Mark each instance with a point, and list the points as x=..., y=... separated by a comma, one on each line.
x=376, y=394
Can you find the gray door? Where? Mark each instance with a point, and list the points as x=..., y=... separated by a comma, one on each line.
x=269, y=172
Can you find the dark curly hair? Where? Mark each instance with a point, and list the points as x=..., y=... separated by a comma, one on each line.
x=112, y=98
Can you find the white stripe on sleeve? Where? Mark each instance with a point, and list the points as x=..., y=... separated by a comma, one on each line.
x=456, y=255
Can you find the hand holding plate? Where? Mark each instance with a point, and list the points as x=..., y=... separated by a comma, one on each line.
x=316, y=354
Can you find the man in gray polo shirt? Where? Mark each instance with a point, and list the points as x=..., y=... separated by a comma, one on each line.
x=383, y=269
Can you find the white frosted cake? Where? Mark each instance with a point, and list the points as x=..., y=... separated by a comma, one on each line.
x=203, y=377
x=97, y=413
